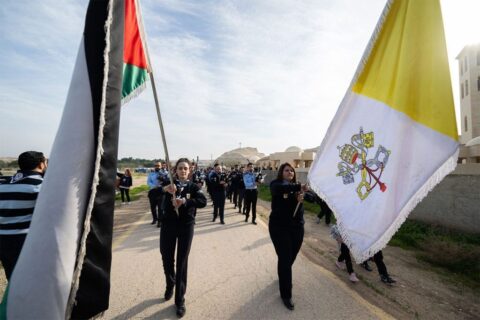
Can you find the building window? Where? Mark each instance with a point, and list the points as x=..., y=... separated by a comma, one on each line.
x=461, y=90
x=466, y=87
x=466, y=124
x=478, y=83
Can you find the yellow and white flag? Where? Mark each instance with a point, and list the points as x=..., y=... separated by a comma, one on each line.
x=394, y=136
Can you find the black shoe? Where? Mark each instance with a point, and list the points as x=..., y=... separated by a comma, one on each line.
x=246, y=219
x=386, y=279
x=235, y=207
x=154, y=221
x=366, y=266
x=181, y=311
x=168, y=293
x=213, y=220
x=222, y=222
x=288, y=303
x=253, y=222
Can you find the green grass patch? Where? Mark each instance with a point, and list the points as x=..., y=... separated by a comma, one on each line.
x=452, y=251
x=134, y=193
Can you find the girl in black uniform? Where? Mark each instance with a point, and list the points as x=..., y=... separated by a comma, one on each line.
x=186, y=197
x=286, y=226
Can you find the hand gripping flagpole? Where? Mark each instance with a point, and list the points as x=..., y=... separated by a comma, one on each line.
x=296, y=208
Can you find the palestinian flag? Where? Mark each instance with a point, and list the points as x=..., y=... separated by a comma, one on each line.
x=135, y=58
x=64, y=268
x=394, y=136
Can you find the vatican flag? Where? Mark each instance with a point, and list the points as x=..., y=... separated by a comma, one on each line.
x=394, y=136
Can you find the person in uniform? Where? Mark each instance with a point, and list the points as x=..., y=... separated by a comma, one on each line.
x=286, y=226
x=182, y=198
x=234, y=179
x=251, y=193
x=198, y=178
x=240, y=190
x=217, y=187
x=154, y=193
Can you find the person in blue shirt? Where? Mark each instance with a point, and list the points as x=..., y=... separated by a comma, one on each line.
x=251, y=193
x=155, y=180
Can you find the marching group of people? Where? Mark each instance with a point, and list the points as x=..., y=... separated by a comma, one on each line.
x=174, y=199
x=286, y=222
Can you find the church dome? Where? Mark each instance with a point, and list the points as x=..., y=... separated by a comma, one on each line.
x=293, y=149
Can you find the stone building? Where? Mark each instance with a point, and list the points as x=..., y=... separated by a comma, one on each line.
x=469, y=68
x=294, y=155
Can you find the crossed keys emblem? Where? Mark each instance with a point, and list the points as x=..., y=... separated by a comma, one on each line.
x=354, y=159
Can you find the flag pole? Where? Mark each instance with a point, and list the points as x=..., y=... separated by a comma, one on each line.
x=162, y=131
x=296, y=209
x=154, y=89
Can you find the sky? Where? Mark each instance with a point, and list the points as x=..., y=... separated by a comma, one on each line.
x=254, y=73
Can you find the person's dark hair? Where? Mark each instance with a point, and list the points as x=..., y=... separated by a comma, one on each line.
x=29, y=160
x=216, y=165
x=280, y=172
x=249, y=164
x=182, y=160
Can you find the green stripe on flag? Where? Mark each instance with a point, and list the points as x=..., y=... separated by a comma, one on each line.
x=133, y=78
x=3, y=305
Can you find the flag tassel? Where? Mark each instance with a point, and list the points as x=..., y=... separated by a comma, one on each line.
x=135, y=93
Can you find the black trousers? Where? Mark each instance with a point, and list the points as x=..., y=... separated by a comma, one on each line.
x=251, y=196
x=155, y=197
x=241, y=196
x=287, y=241
x=125, y=193
x=218, y=204
x=381, y=267
x=235, y=196
x=10, y=248
x=171, y=234
x=345, y=256
x=325, y=211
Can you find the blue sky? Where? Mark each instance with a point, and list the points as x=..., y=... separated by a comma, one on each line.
x=265, y=73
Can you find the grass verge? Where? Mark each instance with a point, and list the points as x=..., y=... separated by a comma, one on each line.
x=134, y=193
x=453, y=254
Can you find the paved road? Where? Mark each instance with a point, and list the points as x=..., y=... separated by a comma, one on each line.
x=232, y=275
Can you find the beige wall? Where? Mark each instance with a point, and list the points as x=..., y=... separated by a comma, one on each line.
x=469, y=71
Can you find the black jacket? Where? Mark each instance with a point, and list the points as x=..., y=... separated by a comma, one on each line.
x=195, y=199
x=215, y=180
x=284, y=202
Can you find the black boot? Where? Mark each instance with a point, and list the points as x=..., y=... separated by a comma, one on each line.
x=288, y=303
x=168, y=293
x=181, y=311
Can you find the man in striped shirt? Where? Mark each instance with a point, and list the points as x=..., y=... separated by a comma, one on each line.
x=17, y=201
